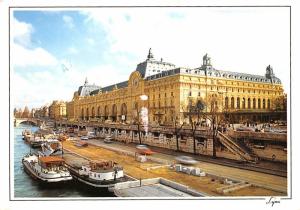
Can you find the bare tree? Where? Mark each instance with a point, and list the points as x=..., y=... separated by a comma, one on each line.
x=213, y=114
x=280, y=103
x=26, y=112
x=19, y=113
x=217, y=115
x=177, y=130
x=195, y=114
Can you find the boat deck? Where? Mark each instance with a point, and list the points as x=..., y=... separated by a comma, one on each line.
x=74, y=160
x=74, y=163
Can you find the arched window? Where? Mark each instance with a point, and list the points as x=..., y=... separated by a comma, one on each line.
x=264, y=104
x=238, y=103
x=259, y=104
x=87, y=114
x=114, y=112
x=98, y=112
x=244, y=103
x=106, y=112
x=249, y=103
x=226, y=102
x=123, y=111
x=93, y=112
x=214, y=105
x=269, y=104
x=232, y=103
x=254, y=103
x=82, y=114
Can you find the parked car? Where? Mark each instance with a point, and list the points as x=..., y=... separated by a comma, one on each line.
x=81, y=144
x=108, y=139
x=187, y=160
x=84, y=138
x=245, y=129
x=144, y=150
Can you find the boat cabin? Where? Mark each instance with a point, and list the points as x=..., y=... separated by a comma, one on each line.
x=52, y=163
x=101, y=171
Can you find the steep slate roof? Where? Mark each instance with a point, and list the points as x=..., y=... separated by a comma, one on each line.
x=152, y=69
x=95, y=92
x=85, y=90
x=118, y=85
x=110, y=87
x=216, y=73
x=147, y=67
x=150, y=66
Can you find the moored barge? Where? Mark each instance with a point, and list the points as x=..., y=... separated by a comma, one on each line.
x=49, y=169
x=98, y=174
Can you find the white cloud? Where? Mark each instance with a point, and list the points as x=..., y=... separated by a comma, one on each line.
x=43, y=87
x=22, y=57
x=90, y=41
x=30, y=88
x=73, y=50
x=68, y=20
x=22, y=52
x=112, y=75
x=101, y=75
x=238, y=39
x=21, y=32
x=39, y=88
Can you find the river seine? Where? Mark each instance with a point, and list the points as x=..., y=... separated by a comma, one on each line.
x=26, y=187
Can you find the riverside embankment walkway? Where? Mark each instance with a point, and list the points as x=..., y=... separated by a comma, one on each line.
x=125, y=153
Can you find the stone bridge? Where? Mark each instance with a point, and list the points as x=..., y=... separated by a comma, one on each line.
x=33, y=121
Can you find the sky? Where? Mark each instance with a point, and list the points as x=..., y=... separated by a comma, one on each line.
x=53, y=51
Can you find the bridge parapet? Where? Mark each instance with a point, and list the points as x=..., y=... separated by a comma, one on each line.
x=18, y=121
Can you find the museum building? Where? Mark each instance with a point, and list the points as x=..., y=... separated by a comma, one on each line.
x=168, y=92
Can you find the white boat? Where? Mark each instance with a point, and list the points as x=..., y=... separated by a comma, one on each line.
x=36, y=141
x=52, y=147
x=26, y=134
x=98, y=174
x=49, y=169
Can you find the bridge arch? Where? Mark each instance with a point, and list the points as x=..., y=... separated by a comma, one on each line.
x=30, y=121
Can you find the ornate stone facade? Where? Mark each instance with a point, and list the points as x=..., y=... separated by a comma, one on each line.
x=57, y=110
x=170, y=90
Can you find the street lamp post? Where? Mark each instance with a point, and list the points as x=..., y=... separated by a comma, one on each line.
x=142, y=98
x=138, y=124
x=176, y=134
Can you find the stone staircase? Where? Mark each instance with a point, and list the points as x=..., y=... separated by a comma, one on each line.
x=237, y=148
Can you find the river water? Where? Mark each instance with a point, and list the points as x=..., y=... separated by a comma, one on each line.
x=26, y=187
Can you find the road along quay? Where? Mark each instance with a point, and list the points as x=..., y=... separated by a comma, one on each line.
x=158, y=166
